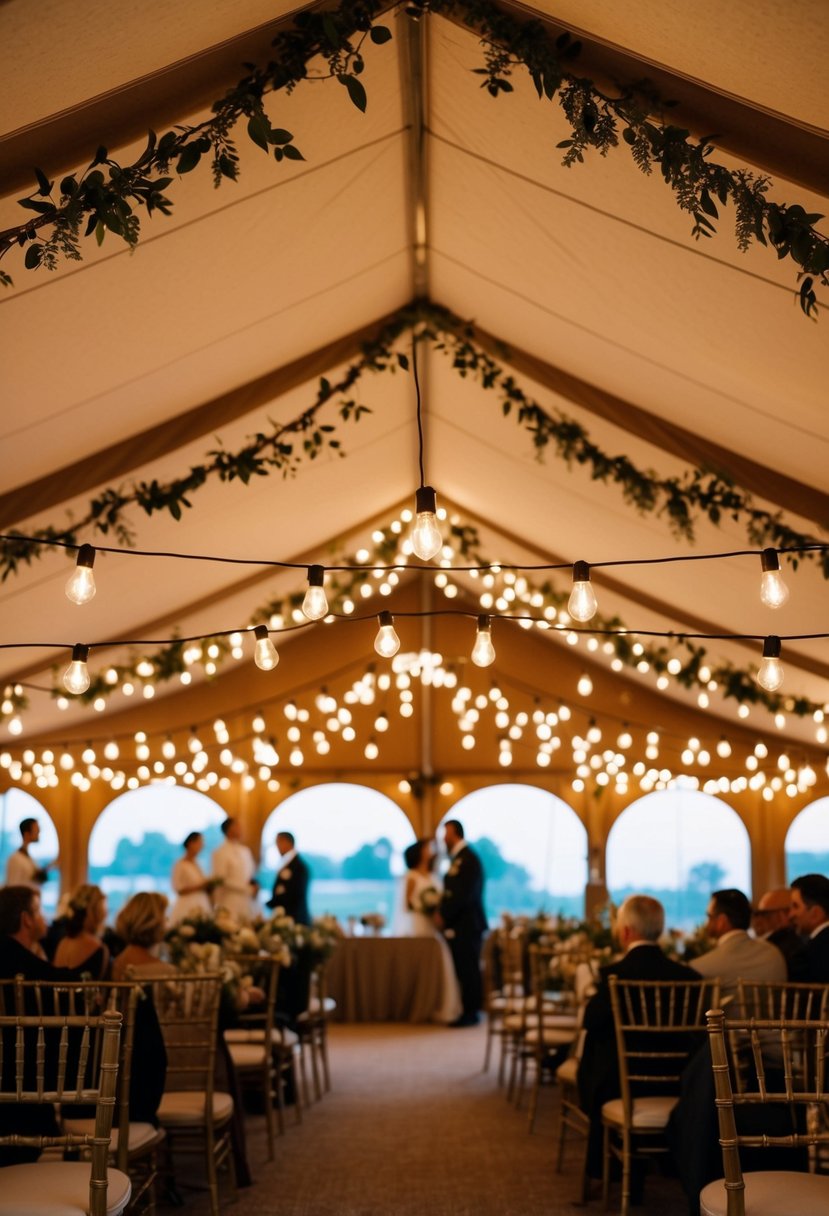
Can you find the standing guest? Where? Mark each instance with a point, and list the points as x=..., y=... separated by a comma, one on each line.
x=81, y=945
x=21, y=869
x=233, y=868
x=640, y=922
x=290, y=889
x=810, y=916
x=462, y=919
x=770, y=922
x=189, y=882
x=737, y=956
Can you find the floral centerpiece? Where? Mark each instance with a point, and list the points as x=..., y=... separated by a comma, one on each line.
x=203, y=944
x=375, y=921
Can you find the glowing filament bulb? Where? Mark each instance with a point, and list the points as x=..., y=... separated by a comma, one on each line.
x=76, y=677
x=483, y=652
x=770, y=675
x=264, y=655
x=773, y=591
x=387, y=643
x=315, y=604
x=585, y=685
x=582, y=604
x=80, y=586
x=426, y=537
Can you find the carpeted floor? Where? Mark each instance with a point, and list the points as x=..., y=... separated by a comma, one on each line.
x=413, y=1127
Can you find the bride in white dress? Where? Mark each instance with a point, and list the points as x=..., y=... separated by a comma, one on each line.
x=418, y=899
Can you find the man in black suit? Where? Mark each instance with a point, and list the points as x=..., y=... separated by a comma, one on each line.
x=640, y=922
x=770, y=922
x=809, y=913
x=463, y=921
x=290, y=890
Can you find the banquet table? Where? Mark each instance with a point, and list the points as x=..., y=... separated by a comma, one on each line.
x=386, y=979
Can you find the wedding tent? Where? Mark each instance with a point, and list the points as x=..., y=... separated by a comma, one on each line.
x=584, y=284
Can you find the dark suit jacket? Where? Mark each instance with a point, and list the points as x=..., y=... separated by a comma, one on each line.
x=462, y=903
x=598, y=1074
x=816, y=958
x=290, y=890
x=791, y=946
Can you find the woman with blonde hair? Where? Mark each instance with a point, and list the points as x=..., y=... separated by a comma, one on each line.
x=141, y=924
x=82, y=945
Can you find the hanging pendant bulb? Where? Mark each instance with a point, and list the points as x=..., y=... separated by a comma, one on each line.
x=80, y=586
x=76, y=677
x=426, y=537
x=387, y=643
x=582, y=604
x=264, y=655
x=770, y=675
x=483, y=652
x=315, y=604
x=773, y=591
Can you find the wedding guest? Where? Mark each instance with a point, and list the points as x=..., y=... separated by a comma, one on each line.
x=189, y=882
x=290, y=889
x=462, y=919
x=81, y=945
x=640, y=922
x=141, y=925
x=736, y=955
x=21, y=869
x=809, y=914
x=233, y=866
x=770, y=922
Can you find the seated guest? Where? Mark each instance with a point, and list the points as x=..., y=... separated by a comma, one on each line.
x=639, y=925
x=81, y=946
x=736, y=955
x=770, y=922
x=140, y=925
x=809, y=914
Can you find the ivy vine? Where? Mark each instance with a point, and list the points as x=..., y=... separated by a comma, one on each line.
x=109, y=197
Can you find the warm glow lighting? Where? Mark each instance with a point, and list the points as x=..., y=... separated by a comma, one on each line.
x=773, y=591
x=582, y=604
x=80, y=586
x=264, y=655
x=483, y=652
x=426, y=537
x=585, y=685
x=387, y=643
x=76, y=677
x=315, y=604
x=770, y=675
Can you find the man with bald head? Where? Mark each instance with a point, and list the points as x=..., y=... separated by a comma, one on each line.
x=770, y=921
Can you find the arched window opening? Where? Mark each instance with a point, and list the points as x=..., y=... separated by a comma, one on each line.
x=15, y=806
x=678, y=845
x=807, y=841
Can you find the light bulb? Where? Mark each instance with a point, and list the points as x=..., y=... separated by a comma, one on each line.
x=585, y=685
x=76, y=677
x=582, y=604
x=483, y=652
x=773, y=591
x=264, y=655
x=387, y=643
x=770, y=675
x=315, y=604
x=723, y=748
x=80, y=586
x=426, y=537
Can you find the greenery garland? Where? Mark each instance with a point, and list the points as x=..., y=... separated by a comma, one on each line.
x=698, y=493
x=107, y=196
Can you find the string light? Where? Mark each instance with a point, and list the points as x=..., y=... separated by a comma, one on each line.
x=582, y=604
x=80, y=586
x=76, y=677
x=426, y=537
x=483, y=652
x=264, y=656
x=770, y=675
x=585, y=685
x=387, y=643
x=773, y=591
x=315, y=604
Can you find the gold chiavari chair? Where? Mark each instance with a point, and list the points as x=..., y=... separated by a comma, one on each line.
x=658, y=1024
x=312, y=1025
x=551, y=1023
x=571, y=1117
x=504, y=989
x=788, y=1079
x=45, y=1060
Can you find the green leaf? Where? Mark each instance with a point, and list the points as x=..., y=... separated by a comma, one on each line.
x=32, y=204
x=189, y=158
x=100, y=232
x=43, y=182
x=278, y=135
x=380, y=34
x=708, y=205
x=292, y=152
x=355, y=91
x=34, y=255
x=258, y=130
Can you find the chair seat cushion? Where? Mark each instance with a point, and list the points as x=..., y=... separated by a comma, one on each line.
x=57, y=1188
x=768, y=1193
x=186, y=1108
x=281, y=1036
x=141, y=1135
x=329, y=1006
x=648, y=1113
x=248, y=1055
x=550, y=1037
x=566, y=1074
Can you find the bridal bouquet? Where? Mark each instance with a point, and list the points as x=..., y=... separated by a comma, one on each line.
x=429, y=901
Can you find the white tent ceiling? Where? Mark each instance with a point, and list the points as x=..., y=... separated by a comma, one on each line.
x=591, y=271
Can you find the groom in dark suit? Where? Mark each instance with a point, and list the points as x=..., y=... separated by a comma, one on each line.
x=462, y=919
x=290, y=890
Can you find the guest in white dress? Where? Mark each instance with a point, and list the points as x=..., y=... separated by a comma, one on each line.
x=190, y=883
x=234, y=868
x=419, y=900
